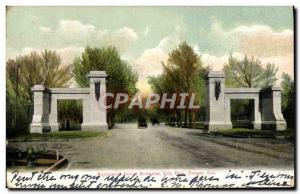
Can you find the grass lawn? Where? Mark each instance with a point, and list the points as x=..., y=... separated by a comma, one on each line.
x=244, y=132
x=60, y=135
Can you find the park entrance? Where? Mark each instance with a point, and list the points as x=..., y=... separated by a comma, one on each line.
x=265, y=111
x=45, y=117
x=266, y=104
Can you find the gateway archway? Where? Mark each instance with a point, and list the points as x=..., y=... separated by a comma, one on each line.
x=45, y=116
x=267, y=104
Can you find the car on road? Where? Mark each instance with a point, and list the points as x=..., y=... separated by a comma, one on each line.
x=154, y=121
x=142, y=122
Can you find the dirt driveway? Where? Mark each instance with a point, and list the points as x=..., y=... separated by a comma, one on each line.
x=166, y=147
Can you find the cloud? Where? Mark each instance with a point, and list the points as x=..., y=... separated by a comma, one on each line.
x=263, y=41
x=121, y=39
x=215, y=63
x=69, y=53
x=285, y=64
x=171, y=41
x=73, y=33
x=75, y=28
x=44, y=29
x=149, y=63
x=260, y=41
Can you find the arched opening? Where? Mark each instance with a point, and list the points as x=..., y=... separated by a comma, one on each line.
x=242, y=113
x=69, y=114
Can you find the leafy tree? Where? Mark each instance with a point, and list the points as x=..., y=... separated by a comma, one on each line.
x=249, y=73
x=44, y=68
x=70, y=110
x=25, y=71
x=270, y=75
x=121, y=77
x=183, y=73
x=288, y=99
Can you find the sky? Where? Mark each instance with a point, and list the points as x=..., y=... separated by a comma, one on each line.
x=145, y=35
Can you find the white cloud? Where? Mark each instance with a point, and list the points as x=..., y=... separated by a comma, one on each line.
x=260, y=41
x=121, y=39
x=263, y=41
x=149, y=63
x=69, y=53
x=75, y=28
x=173, y=40
x=45, y=29
x=215, y=63
x=73, y=33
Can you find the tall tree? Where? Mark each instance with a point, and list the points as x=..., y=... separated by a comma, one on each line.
x=249, y=73
x=183, y=73
x=25, y=71
x=288, y=99
x=121, y=77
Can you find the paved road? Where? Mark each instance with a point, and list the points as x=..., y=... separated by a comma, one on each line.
x=168, y=147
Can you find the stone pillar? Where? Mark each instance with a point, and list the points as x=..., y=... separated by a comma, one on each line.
x=215, y=102
x=257, y=115
x=95, y=116
x=227, y=109
x=272, y=117
x=40, y=119
x=53, y=114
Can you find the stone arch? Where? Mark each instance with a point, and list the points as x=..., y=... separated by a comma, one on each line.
x=267, y=104
x=45, y=105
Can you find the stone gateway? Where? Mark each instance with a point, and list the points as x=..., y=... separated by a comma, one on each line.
x=267, y=104
x=45, y=105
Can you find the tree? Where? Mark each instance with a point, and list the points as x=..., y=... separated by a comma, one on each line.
x=69, y=110
x=249, y=73
x=25, y=71
x=270, y=75
x=121, y=77
x=44, y=68
x=183, y=73
x=288, y=99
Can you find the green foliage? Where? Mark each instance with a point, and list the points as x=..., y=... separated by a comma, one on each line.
x=288, y=99
x=70, y=110
x=183, y=73
x=22, y=73
x=60, y=135
x=121, y=77
x=249, y=73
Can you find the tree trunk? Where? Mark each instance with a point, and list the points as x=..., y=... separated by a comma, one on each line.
x=193, y=119
x=185, y=117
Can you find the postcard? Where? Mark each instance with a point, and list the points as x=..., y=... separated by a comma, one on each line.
x=150, y=97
